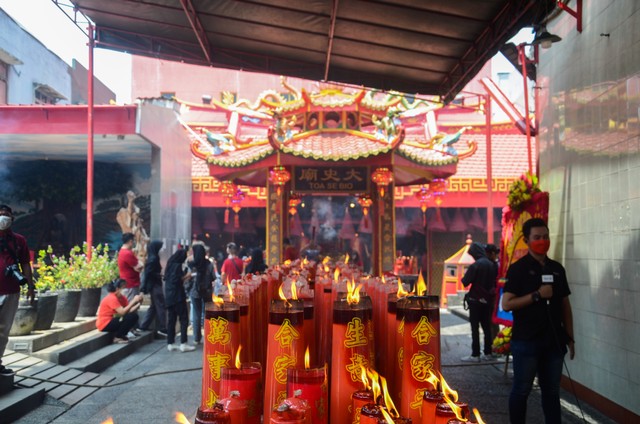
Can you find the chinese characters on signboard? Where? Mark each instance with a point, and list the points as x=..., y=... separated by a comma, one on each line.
x=350, y=179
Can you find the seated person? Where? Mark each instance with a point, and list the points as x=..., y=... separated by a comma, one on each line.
x=115, y=314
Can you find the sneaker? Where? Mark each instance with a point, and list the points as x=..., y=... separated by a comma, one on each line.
x=162, y=333
x=120, y=340
x=186, y=348
x=470, y=358
x=492, y=357
x=172, y=347
x=131, y=335
x=6, y=371
x=137, y=332
x=197, y=342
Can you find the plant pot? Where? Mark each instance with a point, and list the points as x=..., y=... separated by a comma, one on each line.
x=24, y=320
x=89, y=302
x=68, y=305
x=47, y=303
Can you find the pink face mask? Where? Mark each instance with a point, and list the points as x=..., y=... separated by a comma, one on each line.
x=541, y=247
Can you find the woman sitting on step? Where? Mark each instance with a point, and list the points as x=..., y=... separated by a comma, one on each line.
x=115, y=314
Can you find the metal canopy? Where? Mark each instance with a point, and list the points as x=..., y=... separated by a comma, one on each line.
x=431, y=47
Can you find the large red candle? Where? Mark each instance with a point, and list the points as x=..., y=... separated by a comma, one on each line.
x=247, y=382
x=236, y=408
x=312, y=384
x=430, y=400
x=350, y=351
x=421, y=351
x=389, y=345
x=285, y=349
x=399, y=350
x=221, y=339
x=359, y=399
x=370, y=413
x=214, y=415
x=309, y=329
x=444, y=413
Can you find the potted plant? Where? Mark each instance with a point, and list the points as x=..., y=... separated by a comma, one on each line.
x=61, y=275
x=94, y=275
x=26, y=316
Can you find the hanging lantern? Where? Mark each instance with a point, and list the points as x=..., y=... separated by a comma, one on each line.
x=365, y=203
x=227, y=189
x=382, y=177
x=423, y=194
x=438, y=188
x=294, y=201
x=236, y=202
x=279, y=176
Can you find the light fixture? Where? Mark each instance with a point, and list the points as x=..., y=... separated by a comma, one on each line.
x=206, y=99
x=544, y=38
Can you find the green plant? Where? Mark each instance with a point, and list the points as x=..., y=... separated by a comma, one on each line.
x=522, y=190
x=74, y=272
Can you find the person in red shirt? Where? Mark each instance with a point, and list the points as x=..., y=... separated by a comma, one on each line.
x=232, y=267
x=129, y=267
x=115, y=314
x=15, y=270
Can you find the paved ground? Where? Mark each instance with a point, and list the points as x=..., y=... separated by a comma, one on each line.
x=172, y=383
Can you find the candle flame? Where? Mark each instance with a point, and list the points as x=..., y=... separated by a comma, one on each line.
x=325, y=260
x=456, y=409
x=307, y=358
x=388, y=402
x=434, y=380
x=287, y=262
x=305, y=261
x=401, y=291
x=353, y=293
x=108, y=421
x=384, y=280
x=447, y=391
x=282, y=296
x=180, y=418
x=336, y=275
x=476, y=413
x=346, y=259
x=231, y=298
x=363, y=377
x=294, y=292
x=421, y=286
x=217, y=300
x=238, y=363
x=375, y=383
x=326, y=268
x=386, y=416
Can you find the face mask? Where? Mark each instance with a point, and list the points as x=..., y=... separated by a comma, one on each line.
x=5, y=222
x=541, y=247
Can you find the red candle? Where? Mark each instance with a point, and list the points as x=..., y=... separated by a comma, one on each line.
x=214, y=415
x=421, y=351
x=236, y=408
x=359, y=399
x=398, y=420
x=312, y=384
x=399, y=350
x=391, y=329
x=444, y=413
x=351, y=350
x=285, y=349
x=370, y=413
x=247, y=382
x=222, y=328
x=284, y=414
x=430, y=400
x=309, y=328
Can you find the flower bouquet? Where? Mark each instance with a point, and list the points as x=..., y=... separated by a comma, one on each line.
x=522, y=190
x=502, y=343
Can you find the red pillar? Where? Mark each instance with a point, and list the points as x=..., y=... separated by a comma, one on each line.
x=487, y=111
x=90, y=145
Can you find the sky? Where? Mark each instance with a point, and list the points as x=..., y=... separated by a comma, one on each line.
x=58, y=33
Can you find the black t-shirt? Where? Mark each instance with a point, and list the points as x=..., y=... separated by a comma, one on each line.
x=534, y=321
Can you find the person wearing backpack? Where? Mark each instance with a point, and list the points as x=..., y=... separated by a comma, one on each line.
x=151, y=284
x=176, y=300
x=201, y=288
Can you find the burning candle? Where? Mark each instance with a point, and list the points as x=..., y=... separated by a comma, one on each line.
x=222, y=322
x=449, y=410
x=312, y=384
x=236, y=408
x=309, y=328
x=421, y=351
x=285, y=348
x=351, y=338
x=370, y=413
x=359, y=399
x=430, y=401
x=245, y=379
x=214, y=415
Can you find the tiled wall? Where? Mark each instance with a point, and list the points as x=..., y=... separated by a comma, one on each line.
x=589, y=88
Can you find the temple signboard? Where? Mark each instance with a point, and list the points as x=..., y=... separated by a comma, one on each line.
x=315, y=179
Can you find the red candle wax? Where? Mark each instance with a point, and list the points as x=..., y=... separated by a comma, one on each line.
x=247, y=382
x=430, y=400
x=359, y=399
x=391, y=329
x=421, y=351
x=312, y=384
x=350, y=350
x=399, y=336
x=285, y=349
x=214, y=415
x=309, y=329
x=221, y=338
x=398, y=420
x=444, y=413
x=370, y=413
x=236, y=408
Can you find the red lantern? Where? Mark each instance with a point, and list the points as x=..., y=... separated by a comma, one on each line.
x=227, y=189
x=294, y=201
x=423, y=194
x=236, y=201
x=382, y=177
x=438, y=188
x=279, y=176
x=365, y=203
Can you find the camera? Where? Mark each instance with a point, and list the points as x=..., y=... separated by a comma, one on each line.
x=14, y=271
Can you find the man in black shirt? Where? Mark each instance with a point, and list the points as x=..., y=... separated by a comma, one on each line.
x=538, y=294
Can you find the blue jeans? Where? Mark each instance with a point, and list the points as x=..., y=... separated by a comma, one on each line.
x=531, y=357
x=197, y=317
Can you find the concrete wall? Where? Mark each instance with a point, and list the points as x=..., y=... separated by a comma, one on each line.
x=590, y=162
x=39, y=65
x=79, y=83
x=170, y=172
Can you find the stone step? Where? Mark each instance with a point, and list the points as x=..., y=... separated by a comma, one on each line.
x=58, y=333
x=6, y=383
x=74, y=348
x=19, y=402
x=102, y=358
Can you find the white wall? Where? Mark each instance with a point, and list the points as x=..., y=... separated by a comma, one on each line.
x=39, y=65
